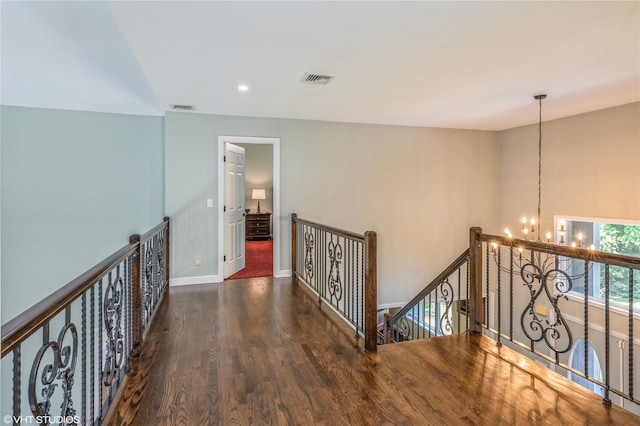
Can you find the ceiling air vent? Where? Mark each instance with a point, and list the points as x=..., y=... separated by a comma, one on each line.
x=183, y=107
x=309, y=78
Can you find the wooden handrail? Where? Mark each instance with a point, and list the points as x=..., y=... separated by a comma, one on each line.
x=147, y=235
x=576, y=253
x=337, y=231
x=22, y=326
x=432, y=285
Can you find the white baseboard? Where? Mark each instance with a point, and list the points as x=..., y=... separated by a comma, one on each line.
x=391, y=305
x=203, y=279
x=283, y=273
x=213, y=279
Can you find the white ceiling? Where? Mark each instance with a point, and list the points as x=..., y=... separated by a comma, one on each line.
x=468, y=65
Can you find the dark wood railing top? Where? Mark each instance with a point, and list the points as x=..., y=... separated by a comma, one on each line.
x=21, y=327
x=331, y=229
x=148, y=235
x=460, y=260
x=573, y=252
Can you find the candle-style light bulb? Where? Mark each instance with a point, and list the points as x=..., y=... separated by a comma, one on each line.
x=524, y=222
x=563, y=223
x=549, y=236
x=580, y=237
x=573, y=244
x=508, y=233
x=592, y=247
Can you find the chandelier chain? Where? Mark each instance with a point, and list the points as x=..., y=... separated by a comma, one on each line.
x=539, y=98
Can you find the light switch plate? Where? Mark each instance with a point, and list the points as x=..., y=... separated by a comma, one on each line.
x=542, y=310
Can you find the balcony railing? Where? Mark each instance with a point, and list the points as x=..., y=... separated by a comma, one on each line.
x=340, y=268
x=538, y=298
x=65, y=358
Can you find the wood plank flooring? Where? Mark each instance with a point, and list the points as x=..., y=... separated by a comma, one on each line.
x=259, y=351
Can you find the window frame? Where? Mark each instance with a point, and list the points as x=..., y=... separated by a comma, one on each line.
x=615, y=306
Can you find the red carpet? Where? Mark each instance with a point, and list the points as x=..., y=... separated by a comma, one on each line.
x=259, y=260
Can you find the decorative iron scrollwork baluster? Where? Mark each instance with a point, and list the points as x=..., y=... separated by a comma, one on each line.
x=113, y=301
x=160, y=256
x=309, y=243
x=403, y=328
x=62, y=370
x=534, y=327
x=335, y=282
x=147, y=285
x=447, y=295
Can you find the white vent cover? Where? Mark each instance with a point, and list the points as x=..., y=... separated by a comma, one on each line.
x=183, y=107
x=309, y=78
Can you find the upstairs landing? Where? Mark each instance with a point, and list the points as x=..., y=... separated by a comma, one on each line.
x=259, y=351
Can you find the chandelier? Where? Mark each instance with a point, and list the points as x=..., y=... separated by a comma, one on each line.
x=531, y=227
x=548, y=277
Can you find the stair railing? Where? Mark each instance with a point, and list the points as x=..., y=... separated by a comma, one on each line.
x=439, y=309
x=65, y=358
x=340, y=268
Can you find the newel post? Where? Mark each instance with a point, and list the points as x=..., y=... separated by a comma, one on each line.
x=294, y=277
x=167, y=261
x=137, y=295
x=475, y=281
x=370, y=292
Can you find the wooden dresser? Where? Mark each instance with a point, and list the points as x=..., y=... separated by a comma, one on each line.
x=258, y=226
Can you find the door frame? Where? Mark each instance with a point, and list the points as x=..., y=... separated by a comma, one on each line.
x=275, y=142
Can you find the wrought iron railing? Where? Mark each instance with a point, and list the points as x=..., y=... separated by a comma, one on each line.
x=439, y=309
x=64, y=359
x=340, y=268
x=543, y=302
x=554, y=303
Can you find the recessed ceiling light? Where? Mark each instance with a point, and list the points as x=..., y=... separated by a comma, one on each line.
x=243, y=87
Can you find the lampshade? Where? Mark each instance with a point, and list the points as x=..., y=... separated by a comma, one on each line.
x=259, y=194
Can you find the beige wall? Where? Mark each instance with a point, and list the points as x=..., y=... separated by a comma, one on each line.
x=591, y=167
x=420, y=189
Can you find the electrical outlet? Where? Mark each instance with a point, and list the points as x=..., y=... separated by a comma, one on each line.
x=198, y=260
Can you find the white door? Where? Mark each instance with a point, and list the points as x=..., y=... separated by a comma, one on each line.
x=234, y=234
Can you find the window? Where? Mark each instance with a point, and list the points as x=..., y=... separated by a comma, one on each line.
x=577, y=363
x=621, y=237
x=433, y=319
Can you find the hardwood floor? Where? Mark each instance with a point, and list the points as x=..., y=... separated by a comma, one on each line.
x=259, y=351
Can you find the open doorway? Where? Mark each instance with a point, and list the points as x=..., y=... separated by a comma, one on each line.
x=261, y=230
